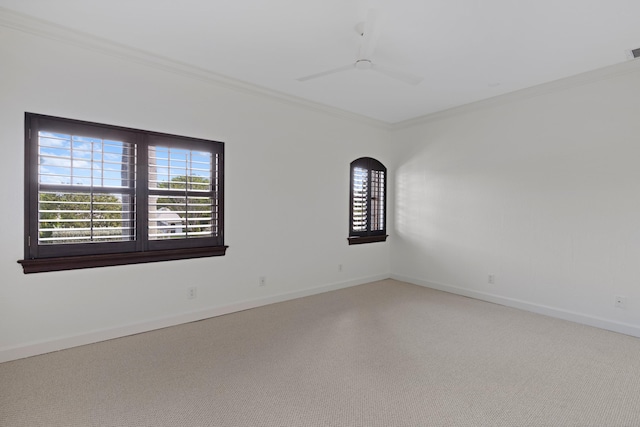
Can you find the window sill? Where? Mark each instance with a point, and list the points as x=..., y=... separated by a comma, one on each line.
x=107, y=260
x=357, y=240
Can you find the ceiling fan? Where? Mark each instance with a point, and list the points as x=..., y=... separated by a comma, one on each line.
x=369, y=32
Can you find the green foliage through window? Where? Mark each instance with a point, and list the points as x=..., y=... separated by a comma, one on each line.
x=78, y=217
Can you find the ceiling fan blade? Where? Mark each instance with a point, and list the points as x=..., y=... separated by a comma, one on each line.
x=398, y=75
x=326, y=73
x=370, y=34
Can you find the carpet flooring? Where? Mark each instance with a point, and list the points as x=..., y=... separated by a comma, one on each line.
x=382, y=354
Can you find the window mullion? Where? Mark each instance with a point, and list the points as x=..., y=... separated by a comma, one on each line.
x=142, y=195
x=87, y=196
x=371, y=195
x=370, y=212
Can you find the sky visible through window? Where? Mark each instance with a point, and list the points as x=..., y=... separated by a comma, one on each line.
x=122, y=194
x=174, y=167
x=87, y=184
x=84, y=161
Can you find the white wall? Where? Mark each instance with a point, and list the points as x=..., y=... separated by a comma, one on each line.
x=287, y=189
x=542, y=190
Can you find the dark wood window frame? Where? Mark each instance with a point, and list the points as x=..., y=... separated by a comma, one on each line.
x=138, y=247
x=367, y=201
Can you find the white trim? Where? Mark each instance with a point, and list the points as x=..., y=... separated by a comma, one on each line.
x=64, y=342
x=585, y=319
x=45, y=29
x=49, y=30
x=577, y=80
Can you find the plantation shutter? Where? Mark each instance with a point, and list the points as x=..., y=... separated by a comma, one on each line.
x=184, y=192
x=377, y=200
x=368, y=198
x=99, y=195
x=85, y=186
x=359, y=208
x=85, y=189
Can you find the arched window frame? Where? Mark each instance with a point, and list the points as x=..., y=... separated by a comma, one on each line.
x=367, y=201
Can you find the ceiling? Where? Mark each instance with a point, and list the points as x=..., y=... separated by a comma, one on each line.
x=464, y=50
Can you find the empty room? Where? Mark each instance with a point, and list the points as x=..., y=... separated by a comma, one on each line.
x=320, y=213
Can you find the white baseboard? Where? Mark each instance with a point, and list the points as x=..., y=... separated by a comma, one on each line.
x=60, y=343
x=585, y=319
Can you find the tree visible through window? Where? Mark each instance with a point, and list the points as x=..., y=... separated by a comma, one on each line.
x=368, y=199
x=101, y=195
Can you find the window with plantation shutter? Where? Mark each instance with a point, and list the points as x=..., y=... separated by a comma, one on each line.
x=367, y=204
x=86, y=187
x=183, y=193
x=99, y=195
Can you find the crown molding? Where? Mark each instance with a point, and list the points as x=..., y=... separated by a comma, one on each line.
x=612, y=71
x=51, y=31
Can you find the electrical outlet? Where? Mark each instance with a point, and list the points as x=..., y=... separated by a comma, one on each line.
x=192, y=292
x=262, y=281
x=491, y=279
x=620, y=301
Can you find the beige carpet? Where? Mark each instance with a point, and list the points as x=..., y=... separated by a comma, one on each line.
x=382, y=354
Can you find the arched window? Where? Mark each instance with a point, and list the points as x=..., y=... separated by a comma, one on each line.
x=368, y=201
